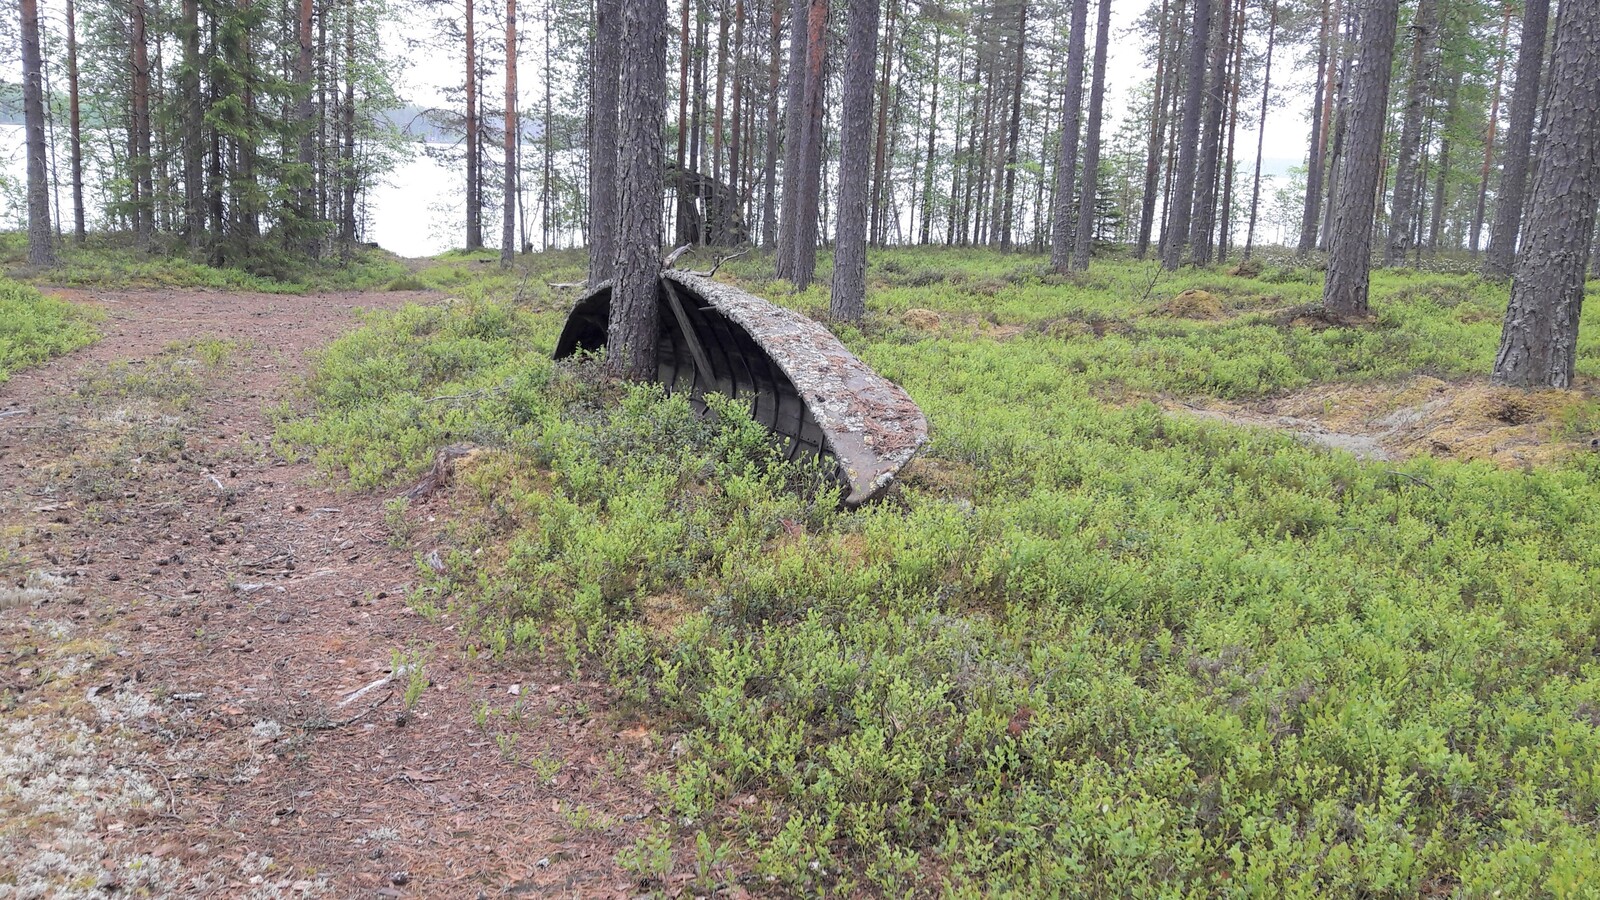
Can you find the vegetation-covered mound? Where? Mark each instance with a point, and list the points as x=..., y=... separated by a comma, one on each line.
x=1087, y=648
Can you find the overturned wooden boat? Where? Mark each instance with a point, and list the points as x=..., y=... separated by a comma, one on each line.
x=817, y=397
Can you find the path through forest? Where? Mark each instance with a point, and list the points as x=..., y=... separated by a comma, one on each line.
x=196, y=642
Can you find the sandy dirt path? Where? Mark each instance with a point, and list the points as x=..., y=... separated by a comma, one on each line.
x=197, y=643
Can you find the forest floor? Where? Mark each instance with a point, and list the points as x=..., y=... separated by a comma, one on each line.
x=210, y=681
x=1097, y=636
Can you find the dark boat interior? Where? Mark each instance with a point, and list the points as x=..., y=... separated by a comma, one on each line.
x=701, y=351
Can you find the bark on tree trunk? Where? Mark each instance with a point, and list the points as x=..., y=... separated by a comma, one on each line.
x=719, y=108
x=1176, y=234
x=1091, y=145
x=1442, y=179
x=769, y=178
x=735, y=161
x=793, y=118
x=1406, y=176
x=1261, y=131
x=75, y=123
x=305, y=193
x=603, y=140
x=880, y=143
x=1321, y=109
x=1350, y=244
x=1475, y=237
x=143, y=176
x=347, y=170
x=1519, y=141
x=474, y=182
x=933, y=131
x=632, y=329
x=1230, y=162
x=1061, y=231
x=849, y=300
x=508, y=225
x=1204, y=217
x=40, y=250
x=1539, y=343
x=1158, y=125
x=1016, y=126
x=802, y=181
x=194, y=200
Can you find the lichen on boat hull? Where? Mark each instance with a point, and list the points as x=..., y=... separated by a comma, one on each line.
x=815, y=395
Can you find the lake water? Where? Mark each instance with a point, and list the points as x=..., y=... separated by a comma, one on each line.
x=418, y=210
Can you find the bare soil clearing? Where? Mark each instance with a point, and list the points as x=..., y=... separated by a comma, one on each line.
x=196, y=644
x=1467, y=420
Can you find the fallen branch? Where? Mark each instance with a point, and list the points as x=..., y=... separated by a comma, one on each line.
x=720, y=261
x=14, y=412
x=362, y=692
x=469, y=395
x=672, y=258
x=567, y=285
x=329, y=726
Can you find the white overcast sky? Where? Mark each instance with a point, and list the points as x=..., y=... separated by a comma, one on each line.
x=1287, y=128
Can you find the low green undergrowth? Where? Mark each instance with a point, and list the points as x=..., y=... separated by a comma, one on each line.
x=1268, y=338
x=34, y=328
x=1085, y=649
x=112, y=261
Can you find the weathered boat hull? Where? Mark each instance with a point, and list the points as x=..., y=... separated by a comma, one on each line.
x=815, y=395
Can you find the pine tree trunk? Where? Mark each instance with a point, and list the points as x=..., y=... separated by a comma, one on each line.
x=603, y=118
x=74, y=122
x=1406, y=177
x=1158, y=125
x=933, y=132
x=140, y=163
x=1170, y=163
x=41, y=252
x=349, y=177
x=1091, y=144
x=1475, y=237
x=1176, y=235
x=1261, y=131
x=769, y=177
x=474, y=170
x=952, y=210
x=719, y=109
x=635, y=319
x=547, y=182
x=1335, y=119
x=793, y=117
x=848, y=302
x=1519, y=141
x=305, y=195
x=1539, y=343
x=1321, y=109
x=1204, y=216
x=1442, y=179
x=508, y=224
x=1350, y=244
x=1015, y=136
x=193, y=139
x=1061, y=225
x=735, y=161
x=802, y=174
x=1230, y=163
x=697, y=129
x=880, y=142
